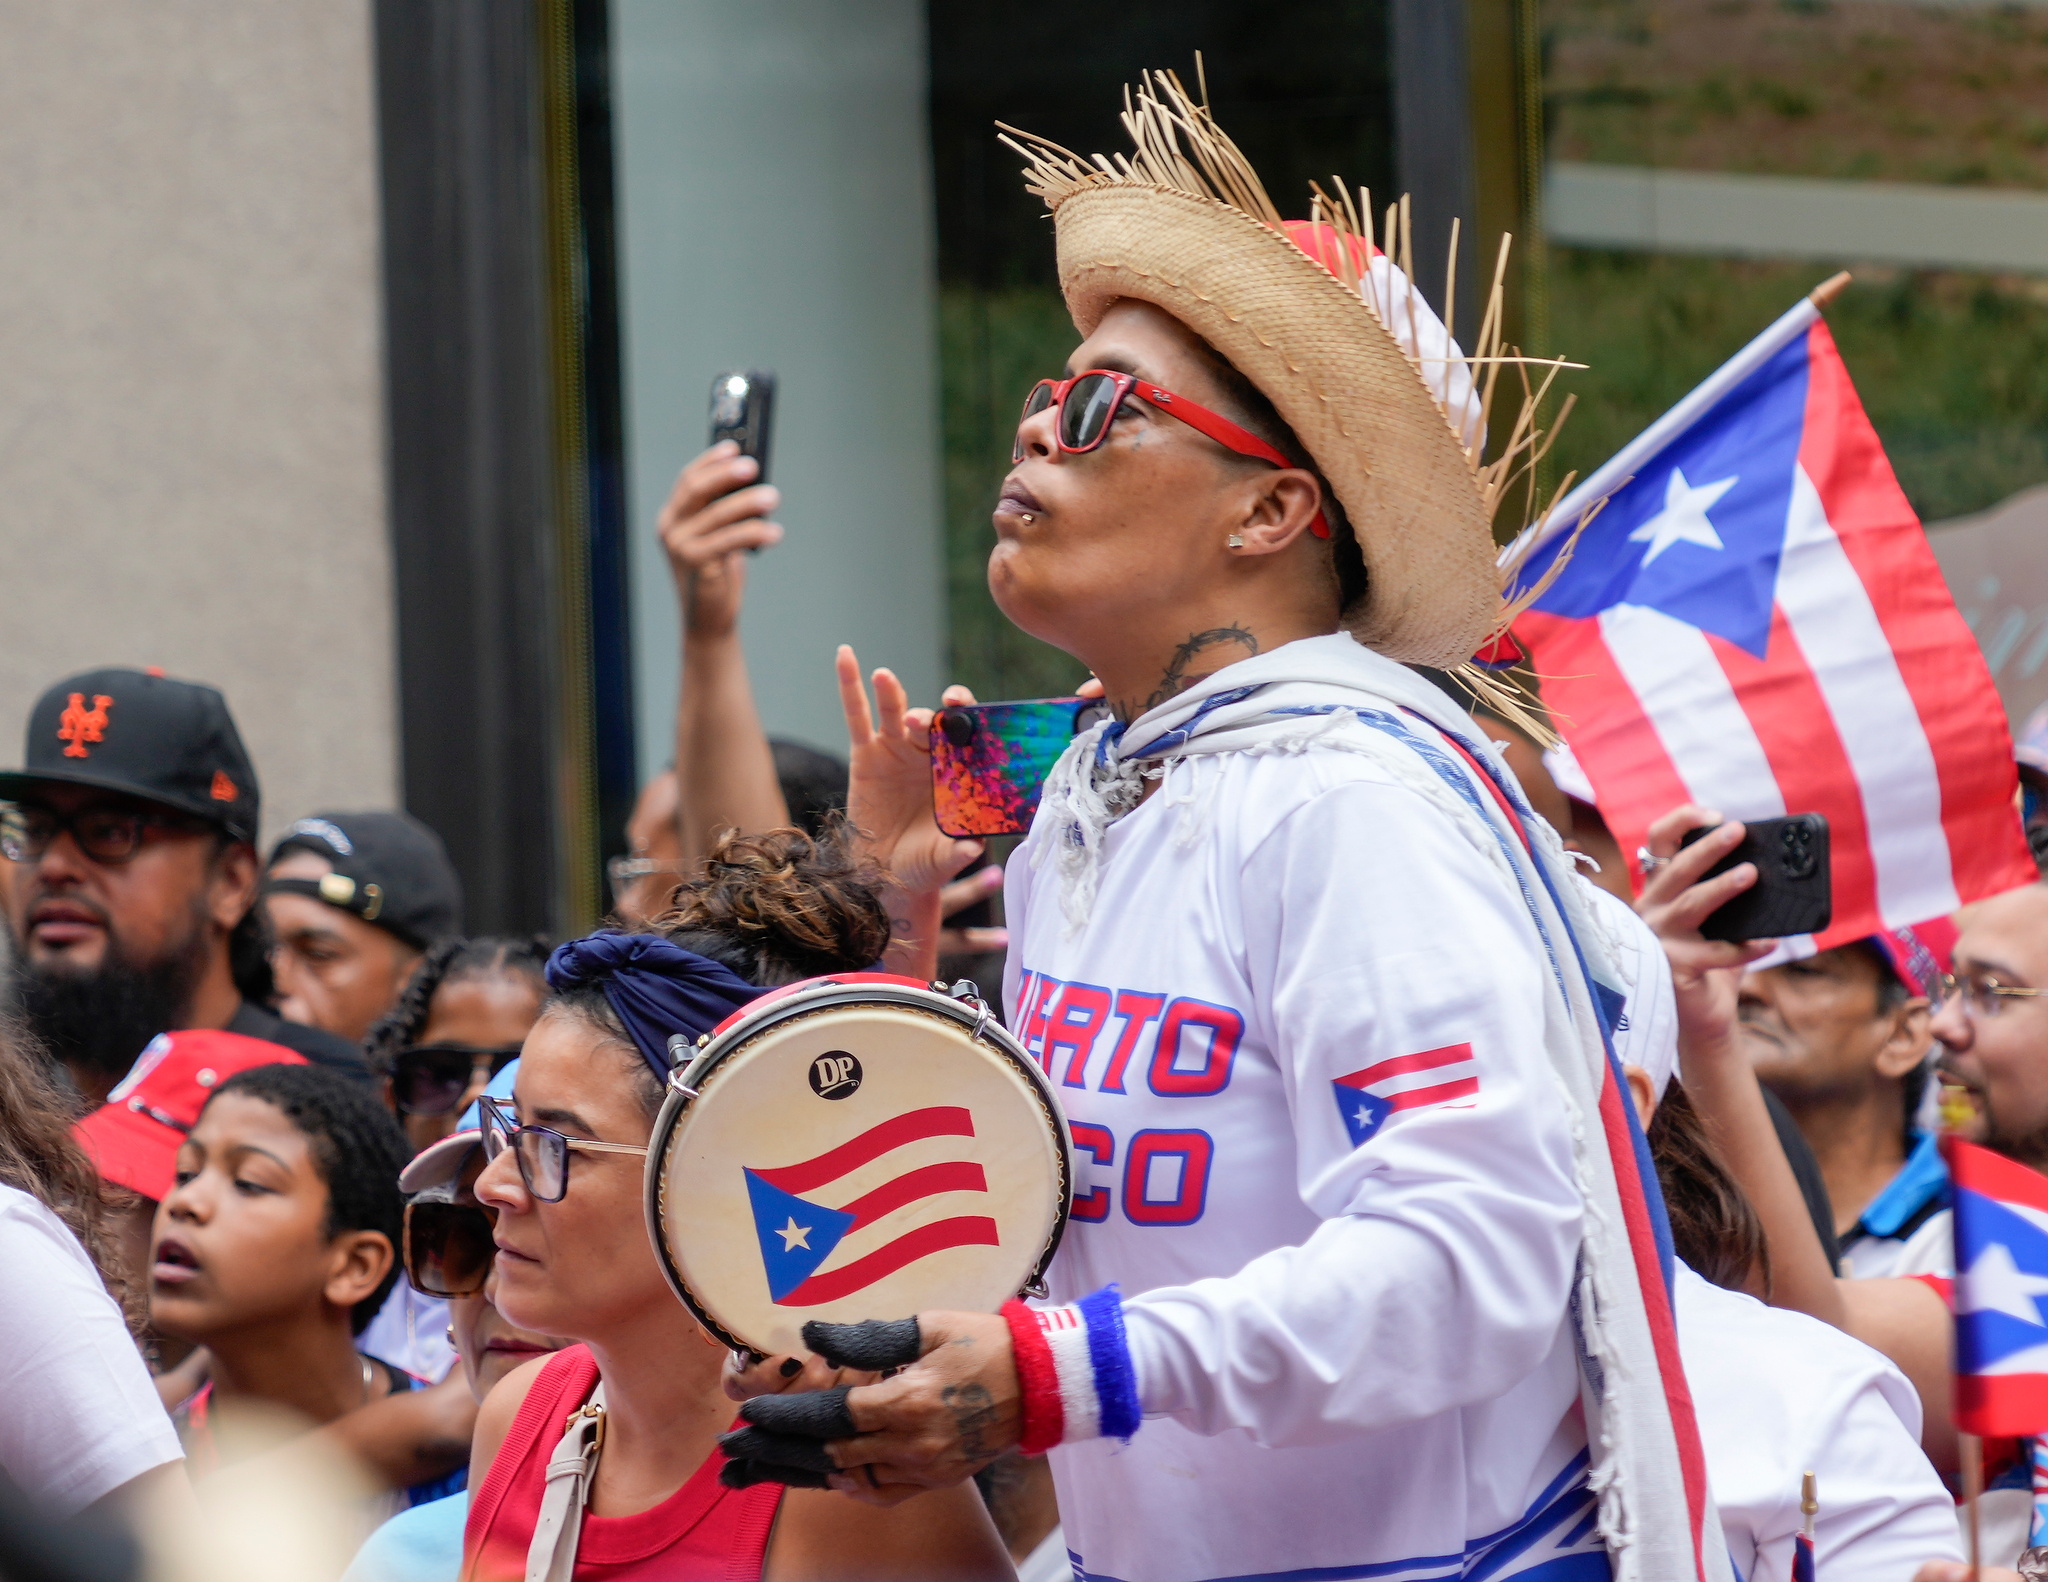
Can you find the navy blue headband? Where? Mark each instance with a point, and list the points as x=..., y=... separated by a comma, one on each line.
x=658, y=988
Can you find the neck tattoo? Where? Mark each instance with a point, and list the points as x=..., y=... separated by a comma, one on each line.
x=1177, y=677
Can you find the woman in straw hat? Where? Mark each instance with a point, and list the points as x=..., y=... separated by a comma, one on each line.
x=1363, y=1275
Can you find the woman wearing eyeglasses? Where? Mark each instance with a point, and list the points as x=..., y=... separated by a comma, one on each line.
x=573, y=1256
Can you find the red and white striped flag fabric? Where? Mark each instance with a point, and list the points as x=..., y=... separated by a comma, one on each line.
x=1754, y=622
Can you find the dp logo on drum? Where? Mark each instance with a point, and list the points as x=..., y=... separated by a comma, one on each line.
x=835, y=1075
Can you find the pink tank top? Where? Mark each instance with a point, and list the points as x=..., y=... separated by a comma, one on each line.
x=704, y=1532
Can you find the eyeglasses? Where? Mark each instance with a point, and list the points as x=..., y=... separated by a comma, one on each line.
x=1088, y=403
x=430, y=1079
x=627, y=872
x=449, y=1247
x=105, y=834
x=1981, y=996
x=543, y=1152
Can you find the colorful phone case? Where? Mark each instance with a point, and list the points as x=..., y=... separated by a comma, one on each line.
x=990, y=760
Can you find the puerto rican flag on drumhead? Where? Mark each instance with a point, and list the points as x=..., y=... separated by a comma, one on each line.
x=2001, y=1292
x=1754, y=622
x=832, y=1225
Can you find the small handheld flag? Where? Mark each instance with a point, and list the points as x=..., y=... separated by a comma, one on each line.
x=1802, y=1546
x=2001, y=1234
x=1754, y=622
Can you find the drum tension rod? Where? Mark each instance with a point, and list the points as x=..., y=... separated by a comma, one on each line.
x=967, y=991
x=680, y=1049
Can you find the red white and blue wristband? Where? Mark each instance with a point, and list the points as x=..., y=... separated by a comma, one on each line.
x=1075, y=1369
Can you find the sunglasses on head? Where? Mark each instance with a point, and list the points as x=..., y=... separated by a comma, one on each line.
x=449, y=1247
x=1088, y=403
x=430, y=1079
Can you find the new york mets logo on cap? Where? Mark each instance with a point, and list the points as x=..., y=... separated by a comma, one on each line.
x=79, y=725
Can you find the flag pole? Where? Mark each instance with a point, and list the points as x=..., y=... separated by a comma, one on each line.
x=1640, y=451
x=1809, y=1506
x=1971, y=1449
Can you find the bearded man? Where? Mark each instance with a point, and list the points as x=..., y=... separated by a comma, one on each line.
x=132, y=897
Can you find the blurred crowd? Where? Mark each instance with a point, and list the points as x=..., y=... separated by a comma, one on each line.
x=256, y=1228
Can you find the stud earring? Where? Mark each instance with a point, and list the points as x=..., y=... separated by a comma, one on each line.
x=1235, y=541
x=451, y=1334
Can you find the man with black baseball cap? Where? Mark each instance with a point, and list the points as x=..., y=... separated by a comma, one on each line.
x=355, y=899
x=131, y=829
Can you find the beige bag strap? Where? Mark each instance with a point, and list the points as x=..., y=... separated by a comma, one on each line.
x=572, y=1473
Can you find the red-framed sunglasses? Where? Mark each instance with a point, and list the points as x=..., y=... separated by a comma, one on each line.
x=1087, y=404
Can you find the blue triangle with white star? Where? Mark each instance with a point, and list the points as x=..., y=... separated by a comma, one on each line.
x=1362, y=1113
x=795, y=1236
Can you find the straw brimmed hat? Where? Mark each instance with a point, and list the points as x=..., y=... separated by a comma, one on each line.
x=1346, y=350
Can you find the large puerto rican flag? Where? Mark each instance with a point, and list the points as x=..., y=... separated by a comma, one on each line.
x=1754, y=622
x=2001, y=1293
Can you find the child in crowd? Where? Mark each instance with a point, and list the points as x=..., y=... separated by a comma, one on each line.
x=275, y=1245
x=82, y=1426
x=134, y=1139
x=574, y=1259
x=448, y=1251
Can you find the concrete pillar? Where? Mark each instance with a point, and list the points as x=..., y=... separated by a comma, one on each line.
x=191, y=420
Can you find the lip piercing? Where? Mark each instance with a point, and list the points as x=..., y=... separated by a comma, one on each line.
x=1027, y=518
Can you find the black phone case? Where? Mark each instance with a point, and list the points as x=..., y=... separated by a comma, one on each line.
x=1792, y=893
x=747, y=418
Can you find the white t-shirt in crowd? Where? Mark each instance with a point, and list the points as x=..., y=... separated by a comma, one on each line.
x=79, y=1414
x=1346, y=1302
x=1779, y=1394
x=410, y=1331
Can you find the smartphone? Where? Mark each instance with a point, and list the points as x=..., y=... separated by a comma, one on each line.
x=1792, y=893
x=743, y=410
x=990, y=760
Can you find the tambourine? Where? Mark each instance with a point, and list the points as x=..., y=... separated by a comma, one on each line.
x=859, y=1146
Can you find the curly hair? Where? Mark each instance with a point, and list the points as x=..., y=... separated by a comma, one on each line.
x=39, y=1155
x=776, y=908
x=356, y=1146
x=451, y=961
x=782, y=906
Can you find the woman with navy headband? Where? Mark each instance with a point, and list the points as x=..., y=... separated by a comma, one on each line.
x=574, y=1258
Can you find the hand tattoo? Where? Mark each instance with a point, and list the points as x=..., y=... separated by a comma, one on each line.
x=974, y=1413
x=1176, y=678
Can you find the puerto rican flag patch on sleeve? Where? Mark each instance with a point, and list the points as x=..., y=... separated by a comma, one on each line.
x=1407, y=1082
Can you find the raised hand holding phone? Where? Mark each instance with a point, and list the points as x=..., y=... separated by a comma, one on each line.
x=715, y=511
x=889, y=802
x=725, y=772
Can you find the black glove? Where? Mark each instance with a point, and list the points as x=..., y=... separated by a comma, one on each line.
x=873, y=1346
x=745, y=1474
